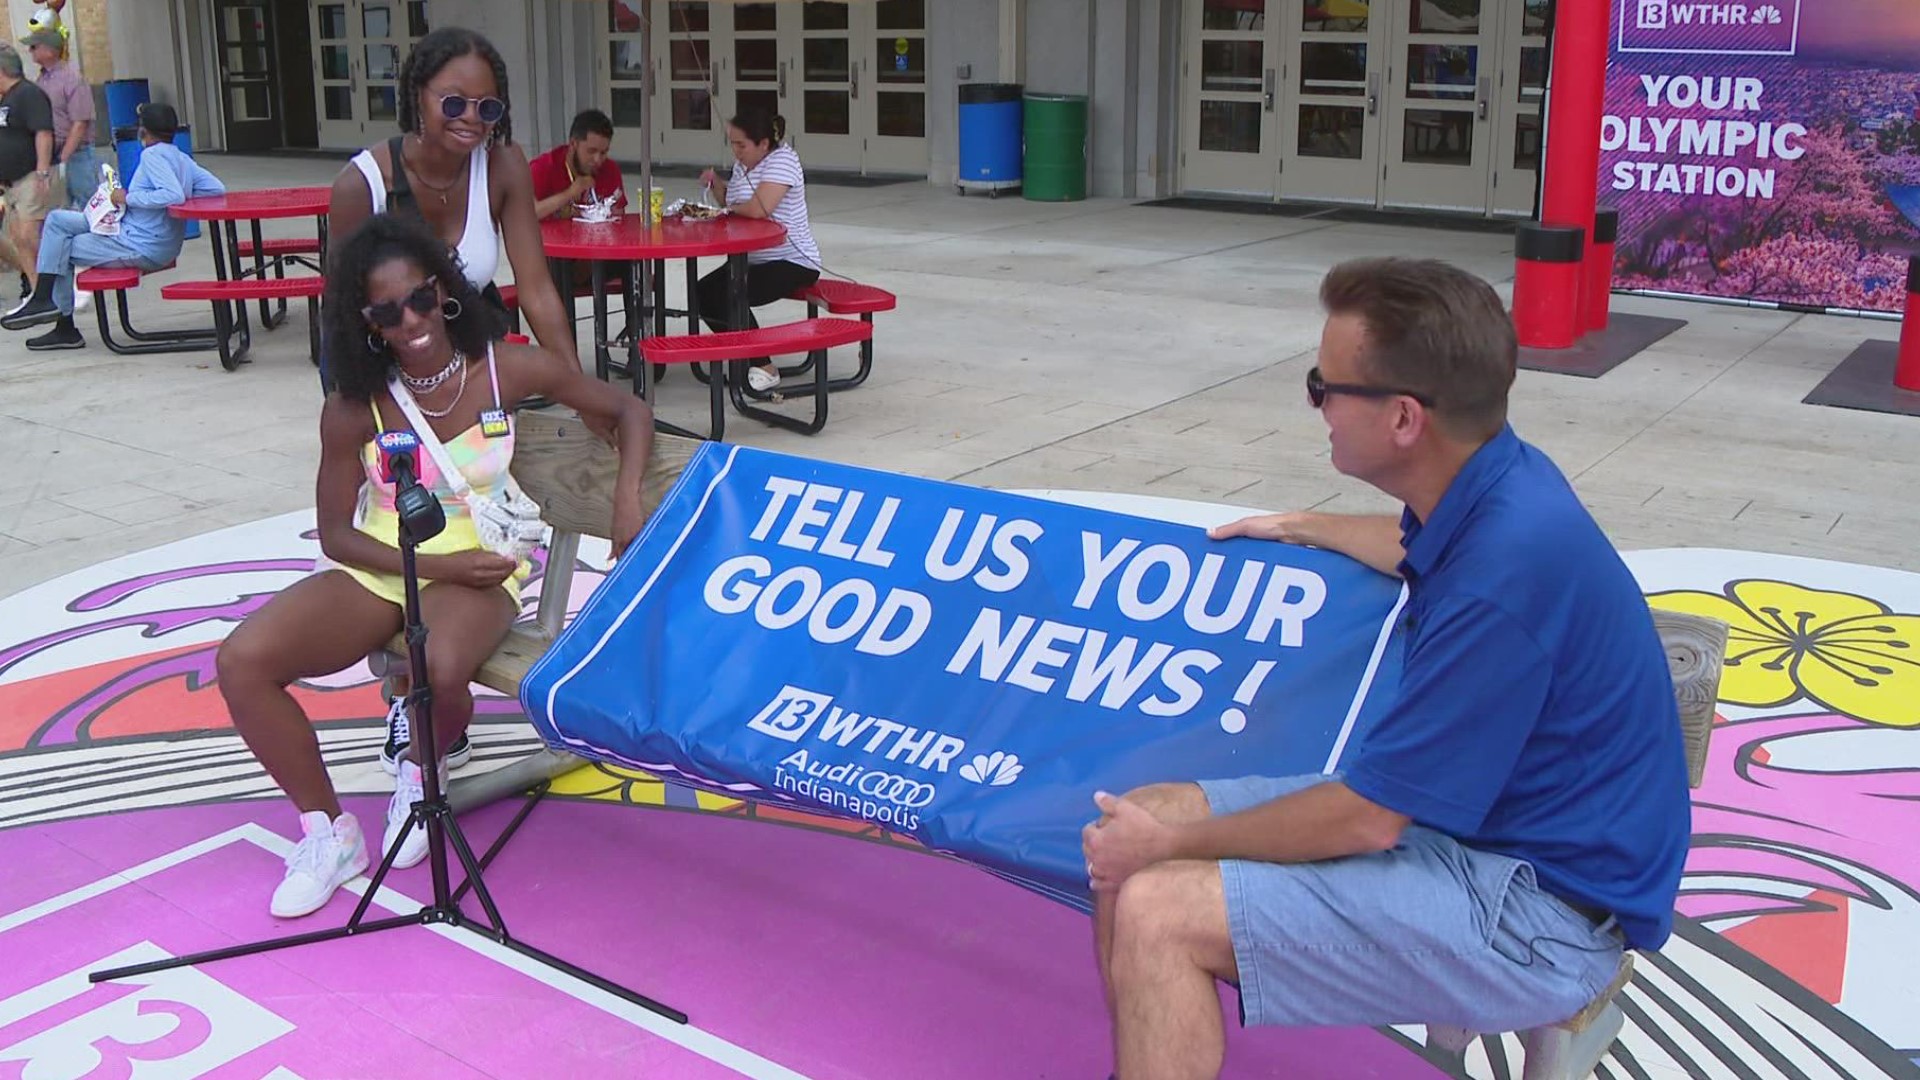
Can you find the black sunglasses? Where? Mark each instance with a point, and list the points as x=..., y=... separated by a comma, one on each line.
x=1318, y=388
x=454, y=106
x=423, y=299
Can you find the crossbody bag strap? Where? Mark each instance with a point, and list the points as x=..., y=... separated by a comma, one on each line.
x=454, y=478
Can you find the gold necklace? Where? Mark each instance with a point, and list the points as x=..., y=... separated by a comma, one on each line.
x=441, y=189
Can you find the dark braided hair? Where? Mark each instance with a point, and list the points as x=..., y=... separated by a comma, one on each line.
x=359, y=369
x=433, y=52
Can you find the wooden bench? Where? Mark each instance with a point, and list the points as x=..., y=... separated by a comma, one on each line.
x=844, y=298
x=811, y=336
x=222, y=294
x=1572, y=1048
x=117, y=280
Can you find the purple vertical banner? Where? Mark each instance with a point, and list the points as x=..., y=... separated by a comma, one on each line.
x=1765, y=149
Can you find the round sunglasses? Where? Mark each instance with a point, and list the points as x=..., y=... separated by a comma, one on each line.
x=387, y=313
x=455, y=106
x=1318, y=388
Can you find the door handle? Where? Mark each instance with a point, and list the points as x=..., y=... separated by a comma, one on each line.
x=853, y=76
x=1266, y=91
x=1373, y=93
x=1480, y=97
x=783, y=78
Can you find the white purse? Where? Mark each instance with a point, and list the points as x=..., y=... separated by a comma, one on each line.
x=508, y=525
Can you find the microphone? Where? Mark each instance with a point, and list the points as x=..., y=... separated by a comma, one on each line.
x=398, y=450
x=421, y=515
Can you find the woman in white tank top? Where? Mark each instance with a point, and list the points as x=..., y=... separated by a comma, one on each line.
x=455, y=166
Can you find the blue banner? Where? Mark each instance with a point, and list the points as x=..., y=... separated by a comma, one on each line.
x=962, y=666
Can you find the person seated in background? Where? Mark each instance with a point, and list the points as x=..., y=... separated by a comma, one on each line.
x=766, y=182
x=149, y=237
x=564, y=175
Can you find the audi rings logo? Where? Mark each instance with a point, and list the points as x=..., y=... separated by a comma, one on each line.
x=898, y=790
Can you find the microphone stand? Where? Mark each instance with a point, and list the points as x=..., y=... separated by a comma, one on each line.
x=421, y=518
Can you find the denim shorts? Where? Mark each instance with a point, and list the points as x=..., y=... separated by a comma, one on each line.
x=1428, y=932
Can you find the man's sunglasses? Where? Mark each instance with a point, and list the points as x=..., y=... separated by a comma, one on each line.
x=387, y=313
x=1318, y=388
x=454, y=106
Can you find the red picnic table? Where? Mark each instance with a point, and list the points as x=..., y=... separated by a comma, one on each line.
x=630, y=240
x=224, y=213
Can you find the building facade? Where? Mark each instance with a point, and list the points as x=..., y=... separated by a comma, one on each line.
x=1393, y=103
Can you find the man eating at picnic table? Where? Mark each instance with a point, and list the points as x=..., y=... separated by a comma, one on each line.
x=564, y=176
x=149, y=237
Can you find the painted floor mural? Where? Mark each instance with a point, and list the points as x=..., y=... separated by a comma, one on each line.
x=135, y=825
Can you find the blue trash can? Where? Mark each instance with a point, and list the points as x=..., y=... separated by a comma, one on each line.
x=124, y=98
x=126, y=148
x=990, y=146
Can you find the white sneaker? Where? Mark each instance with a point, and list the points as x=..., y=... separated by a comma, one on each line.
x=330, y=854
x=762, y=379
x=406, y=792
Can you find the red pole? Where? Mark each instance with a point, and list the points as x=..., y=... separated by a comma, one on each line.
x=1906, y=371
x=1546, y=285
x=1575, y=102
x=1597, y=295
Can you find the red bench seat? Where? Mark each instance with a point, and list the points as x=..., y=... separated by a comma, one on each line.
x=285, y=245
x=811, y=336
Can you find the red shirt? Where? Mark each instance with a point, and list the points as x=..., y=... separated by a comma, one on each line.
x=551, y=177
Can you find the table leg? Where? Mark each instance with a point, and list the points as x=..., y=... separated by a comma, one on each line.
x=269, y=319
x=602, y=355
x=225, y=237
x=636, y=328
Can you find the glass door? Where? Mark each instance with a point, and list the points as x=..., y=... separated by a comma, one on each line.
x=690, y=38
x=244, y=29
x=1522, y=88
x=336, y=72
x=1439, y=136
x=758, y=66
x=1333, y=71
x=825, y=76
x=893, y=122
x=358, y=47
x=1229, y=80
x=623, y=71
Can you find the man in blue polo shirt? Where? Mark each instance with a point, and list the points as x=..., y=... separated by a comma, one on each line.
x=1518, y=816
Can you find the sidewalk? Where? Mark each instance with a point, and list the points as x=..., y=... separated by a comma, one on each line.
x=1093, y=345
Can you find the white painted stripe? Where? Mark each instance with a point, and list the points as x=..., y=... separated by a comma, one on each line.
x=126, y=877
x=704, y=1043
x=1366, y=682
x=687, y=1036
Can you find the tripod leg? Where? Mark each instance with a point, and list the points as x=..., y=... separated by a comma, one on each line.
x=419, y=821
x=486, y=859
x=472, y=866
x=255, y=947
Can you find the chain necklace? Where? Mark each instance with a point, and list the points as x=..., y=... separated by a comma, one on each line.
x=439, y=189
x=462, y=392
x=421, y=386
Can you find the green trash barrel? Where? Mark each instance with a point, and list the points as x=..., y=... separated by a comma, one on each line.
x=1054, y=129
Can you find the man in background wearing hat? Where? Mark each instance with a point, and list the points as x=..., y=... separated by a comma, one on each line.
x=72, y=113
x=26, y=163
x=149, y=238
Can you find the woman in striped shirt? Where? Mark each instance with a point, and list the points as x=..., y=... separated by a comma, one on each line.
x=767, y=182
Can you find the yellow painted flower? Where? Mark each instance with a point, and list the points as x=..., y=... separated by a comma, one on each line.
x=1785, y=642
x=611, y=783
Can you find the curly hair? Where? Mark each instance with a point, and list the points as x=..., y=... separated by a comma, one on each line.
x=435, y=51
x=358, y=368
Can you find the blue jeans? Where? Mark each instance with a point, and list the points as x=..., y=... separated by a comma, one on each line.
x=66, y=244
x=83, y=175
